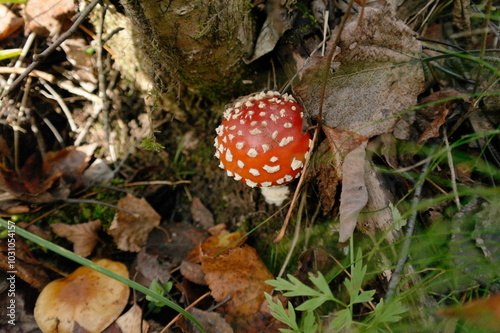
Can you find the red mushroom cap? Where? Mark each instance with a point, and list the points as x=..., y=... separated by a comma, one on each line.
x=260, y=141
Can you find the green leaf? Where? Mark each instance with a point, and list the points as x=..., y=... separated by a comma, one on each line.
x=365, y=296
x=309, y=323
x=312, y=304
x=278, y=311
x=399, y=221
x=293, y=288
x=320, y=282
x=388, y=313
x=343, y=318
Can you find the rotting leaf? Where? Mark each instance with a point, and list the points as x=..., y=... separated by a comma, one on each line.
x=85, y=298
x=379, y=75
x=131, y=232
x=83, y=235
x=47, y=17
x=354, y=195
x=61, y=173
x=150, y=267
x=430, y=119
x=240, y=275
x=201, y=214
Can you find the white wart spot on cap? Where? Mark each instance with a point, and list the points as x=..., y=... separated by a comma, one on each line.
x=240, y=163
x=229, y=156
x=271, y=169
x=254, y=172
x=285, y=141
x=252, y=152
x=255, y=131
x=250, y=183
x=274, y=159
x=239, y=145
x=297, y=164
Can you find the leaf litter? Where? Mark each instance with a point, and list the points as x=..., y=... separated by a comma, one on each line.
x=375, y=76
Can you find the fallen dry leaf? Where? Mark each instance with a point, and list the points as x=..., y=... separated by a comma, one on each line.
x=85, y=299
x=47, y=17
x=377, y=215
x=150, y=267
x=379, y=75
x=212, y=322
x=60, y=173
x=83, y=235
x=201, y=214
x=430, y=119
x=130, y=232
x=9, y=22
x=354, y=195
x=130, y=321
x=193, y=272
x=325, y=167
x=239, y=274
x=215, y=245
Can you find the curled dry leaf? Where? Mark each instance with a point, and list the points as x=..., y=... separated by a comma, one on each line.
x=430, y=119
x=150, y=267
x=9, y=22
x=86, y=299
x=130, y=232
x=83, y=235
x=60, y=173
x=240, y=275
x=354, y=195
x=379, y=75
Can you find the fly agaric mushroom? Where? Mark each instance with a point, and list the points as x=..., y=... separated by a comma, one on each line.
x=260, y=143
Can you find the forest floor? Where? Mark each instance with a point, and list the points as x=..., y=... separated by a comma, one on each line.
x=93, y=164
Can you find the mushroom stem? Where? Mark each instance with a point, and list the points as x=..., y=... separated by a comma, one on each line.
x=275, y=195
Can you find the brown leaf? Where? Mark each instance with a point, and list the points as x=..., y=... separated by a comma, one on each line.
x=50, y=179
x=201, y=214
x=239, y=274
x=83, y=235
x=9, y=22
x=354, y=195
x=430, y=119
x=47, y=17
x=212, y=322
x=377, y=214
x=214, y=245
x=85, y=298
x=130, y=321
x=379, y=75
x=193, y=272
x=26, y=267
x=325, y=167
x=150, y=267
x=130, y=232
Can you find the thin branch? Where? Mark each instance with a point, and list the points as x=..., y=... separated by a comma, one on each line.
x=396, y=275
x=41, y=57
